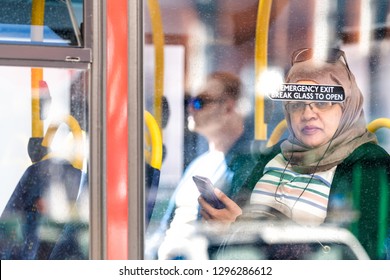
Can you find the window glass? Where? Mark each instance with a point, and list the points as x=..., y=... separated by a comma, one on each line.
x=305, y=251
x=44, y=200
x=40, y=22
x=254, y=43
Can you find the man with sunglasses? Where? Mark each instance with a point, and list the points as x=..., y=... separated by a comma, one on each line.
x=330, y=167
x=216, y=113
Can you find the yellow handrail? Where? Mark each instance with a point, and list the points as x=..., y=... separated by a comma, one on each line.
x=263, y=16
x=277, y=133
x=156, y=141
x=158, y=41
x=378, y=123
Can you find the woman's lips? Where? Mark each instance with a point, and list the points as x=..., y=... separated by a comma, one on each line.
x=309, y=130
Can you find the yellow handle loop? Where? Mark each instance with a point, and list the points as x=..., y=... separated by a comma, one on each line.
x=377, y=124
x=156, y=141
x=277, y=133
x=74, y=126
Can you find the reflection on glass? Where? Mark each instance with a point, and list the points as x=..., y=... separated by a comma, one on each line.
x=44, y=196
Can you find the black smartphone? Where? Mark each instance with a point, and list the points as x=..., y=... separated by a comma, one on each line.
x=206, y=189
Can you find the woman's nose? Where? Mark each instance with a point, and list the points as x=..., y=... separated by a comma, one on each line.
x=308, y=112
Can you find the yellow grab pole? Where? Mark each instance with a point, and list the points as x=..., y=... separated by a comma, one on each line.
x=263, y=16
x=37, y=21
x=37, y=123
x=158, y=41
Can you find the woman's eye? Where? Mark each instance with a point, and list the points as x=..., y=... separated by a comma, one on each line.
x=297, y=106
x=321, y=105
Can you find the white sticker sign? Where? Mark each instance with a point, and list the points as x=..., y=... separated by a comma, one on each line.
x=309, y=92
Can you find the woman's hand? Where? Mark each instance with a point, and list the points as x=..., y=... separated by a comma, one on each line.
x=226, y=215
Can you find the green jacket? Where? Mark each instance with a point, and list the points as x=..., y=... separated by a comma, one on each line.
x=361, y=186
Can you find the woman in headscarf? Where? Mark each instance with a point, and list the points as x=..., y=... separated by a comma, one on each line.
x=330, y=164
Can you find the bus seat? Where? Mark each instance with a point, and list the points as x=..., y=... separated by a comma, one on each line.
x=43, y=202
x=28, y=204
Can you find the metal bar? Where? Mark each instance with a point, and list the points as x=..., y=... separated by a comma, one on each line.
x=136, y=173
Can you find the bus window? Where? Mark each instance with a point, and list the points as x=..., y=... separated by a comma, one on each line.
x=254, y=41
x=44, y=200
x=50, y=22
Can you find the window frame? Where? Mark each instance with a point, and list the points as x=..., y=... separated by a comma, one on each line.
x=90, y=58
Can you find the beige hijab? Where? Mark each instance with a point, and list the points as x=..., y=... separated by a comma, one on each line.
x=351, y=132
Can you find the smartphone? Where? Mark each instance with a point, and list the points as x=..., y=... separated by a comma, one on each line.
x=206, y=189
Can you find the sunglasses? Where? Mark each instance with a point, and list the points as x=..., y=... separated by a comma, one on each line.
x=199, y=102
x=331, y=56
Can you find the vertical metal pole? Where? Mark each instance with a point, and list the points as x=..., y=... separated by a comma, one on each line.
x=94, y=29
x=136, y=133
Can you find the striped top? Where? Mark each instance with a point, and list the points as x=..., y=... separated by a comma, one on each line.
x=302, y=197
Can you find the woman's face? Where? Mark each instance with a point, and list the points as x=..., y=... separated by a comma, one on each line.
x=315, y=128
